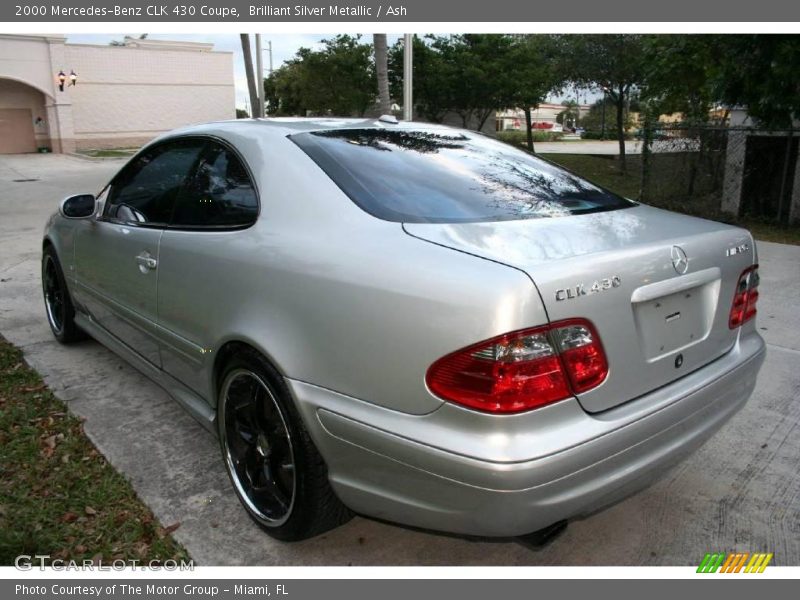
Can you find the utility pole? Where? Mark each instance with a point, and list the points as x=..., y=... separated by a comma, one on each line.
x=408, y=77
x=269, y=48
x=259, y=77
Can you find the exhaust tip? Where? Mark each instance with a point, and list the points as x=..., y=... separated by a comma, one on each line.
x=543, y=537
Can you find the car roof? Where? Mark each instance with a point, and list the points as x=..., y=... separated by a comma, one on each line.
x=283, y=126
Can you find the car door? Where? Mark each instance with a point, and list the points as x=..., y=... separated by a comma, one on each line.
x=203, y=260
x=117, y=254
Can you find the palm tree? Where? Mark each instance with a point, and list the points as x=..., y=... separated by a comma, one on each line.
x=122, y=42
x=251, y=82
x=570, y=114
x=382, y=72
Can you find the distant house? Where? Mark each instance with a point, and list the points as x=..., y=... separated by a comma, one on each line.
x=545, y=116
x=122, y=95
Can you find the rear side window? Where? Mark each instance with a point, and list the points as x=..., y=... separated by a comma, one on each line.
x=438, y=176
x=219, y=194
x=146, y=190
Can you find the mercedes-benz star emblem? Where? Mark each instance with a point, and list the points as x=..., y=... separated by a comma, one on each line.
x=679, y=260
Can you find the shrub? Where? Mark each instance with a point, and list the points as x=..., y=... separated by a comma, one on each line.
x=598, y=135
x=518, y=137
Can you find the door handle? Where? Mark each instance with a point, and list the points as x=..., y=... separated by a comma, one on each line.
x=146, y=262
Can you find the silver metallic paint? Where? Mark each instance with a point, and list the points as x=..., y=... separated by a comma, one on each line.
x=353, y=310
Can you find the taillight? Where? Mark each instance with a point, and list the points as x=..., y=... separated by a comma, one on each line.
x=522, y=370
x=745, y=298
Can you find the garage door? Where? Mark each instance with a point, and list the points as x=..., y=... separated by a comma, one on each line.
x=16, y=131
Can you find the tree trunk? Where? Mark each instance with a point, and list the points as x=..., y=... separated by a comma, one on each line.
x=251, y=82
x=482, y=118
x=529, y=129
x=647, y=141
x=382, y=72
x=620, y=102
x=787, y=165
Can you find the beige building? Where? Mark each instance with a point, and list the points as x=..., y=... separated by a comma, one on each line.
x=123, y=96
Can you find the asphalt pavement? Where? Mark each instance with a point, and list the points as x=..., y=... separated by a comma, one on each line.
x=741, y=491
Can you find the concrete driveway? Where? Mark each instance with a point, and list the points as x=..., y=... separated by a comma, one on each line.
x=741, y=491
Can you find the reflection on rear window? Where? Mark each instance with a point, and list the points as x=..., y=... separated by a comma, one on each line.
x=439, y=176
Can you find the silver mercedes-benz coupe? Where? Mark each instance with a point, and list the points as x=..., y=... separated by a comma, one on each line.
x=407, y=321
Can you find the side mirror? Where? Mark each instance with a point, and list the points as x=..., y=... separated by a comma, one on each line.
x=80, y=206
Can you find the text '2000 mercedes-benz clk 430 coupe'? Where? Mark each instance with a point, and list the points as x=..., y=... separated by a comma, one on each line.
x=408, y=321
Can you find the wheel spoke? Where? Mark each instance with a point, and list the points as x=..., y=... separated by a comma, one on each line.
x=270, y=493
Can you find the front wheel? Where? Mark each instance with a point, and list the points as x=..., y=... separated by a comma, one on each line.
x=275, y=468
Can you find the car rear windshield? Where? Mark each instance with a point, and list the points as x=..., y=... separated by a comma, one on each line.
x=439, y=176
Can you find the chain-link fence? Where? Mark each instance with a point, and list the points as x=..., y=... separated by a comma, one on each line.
x=747, y=172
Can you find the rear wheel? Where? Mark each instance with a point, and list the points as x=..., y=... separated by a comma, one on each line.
x=58, y=304
x=275, y=468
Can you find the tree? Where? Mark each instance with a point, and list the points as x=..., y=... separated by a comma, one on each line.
x=612, y=62
x=482, y=74
x=570, y=115
x=242, y=114
x=338, y=80
x=470, y=75
x=677, y=75
x=594, y=120
x=382, y=72
x=282, y=91
x=532, y=61
x=432, y=77
x=761, y=72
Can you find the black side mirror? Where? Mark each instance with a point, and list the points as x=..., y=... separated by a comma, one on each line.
x=80, y=206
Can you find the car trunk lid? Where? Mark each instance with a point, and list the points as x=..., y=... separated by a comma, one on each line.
x=657, y=285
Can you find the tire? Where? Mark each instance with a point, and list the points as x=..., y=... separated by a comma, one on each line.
x=58, y=304
x=276, y=471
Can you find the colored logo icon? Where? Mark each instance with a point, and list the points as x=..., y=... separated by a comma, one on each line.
x=734, y=562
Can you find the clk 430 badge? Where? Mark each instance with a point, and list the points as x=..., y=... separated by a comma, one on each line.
x=581, y=289
x=733, y=251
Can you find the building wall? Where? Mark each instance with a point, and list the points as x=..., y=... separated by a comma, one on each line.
x=27, y=59
x=14, y=94
x=125, y=96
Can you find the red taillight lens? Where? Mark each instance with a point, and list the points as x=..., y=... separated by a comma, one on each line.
x=745, y=298
x=522, y=370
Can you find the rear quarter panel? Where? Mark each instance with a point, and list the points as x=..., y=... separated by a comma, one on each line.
x=331, y=295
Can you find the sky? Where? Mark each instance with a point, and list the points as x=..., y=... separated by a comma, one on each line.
x=284, y=47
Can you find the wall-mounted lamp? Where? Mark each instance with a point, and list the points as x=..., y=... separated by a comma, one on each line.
x=62, y=79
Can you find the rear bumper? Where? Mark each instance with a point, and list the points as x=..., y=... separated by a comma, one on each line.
x=461, y=471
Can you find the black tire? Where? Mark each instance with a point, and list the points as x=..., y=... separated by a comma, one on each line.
x=276, y=471
x=58, y=304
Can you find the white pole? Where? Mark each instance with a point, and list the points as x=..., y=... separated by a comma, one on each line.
x=270, y=57
x=259, y=112
x=408, y=77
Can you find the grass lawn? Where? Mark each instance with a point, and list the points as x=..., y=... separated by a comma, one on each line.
x=58, y=495
x=665, y=188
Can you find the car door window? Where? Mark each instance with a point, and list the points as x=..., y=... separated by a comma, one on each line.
x=145, y=192
x=220, y=193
